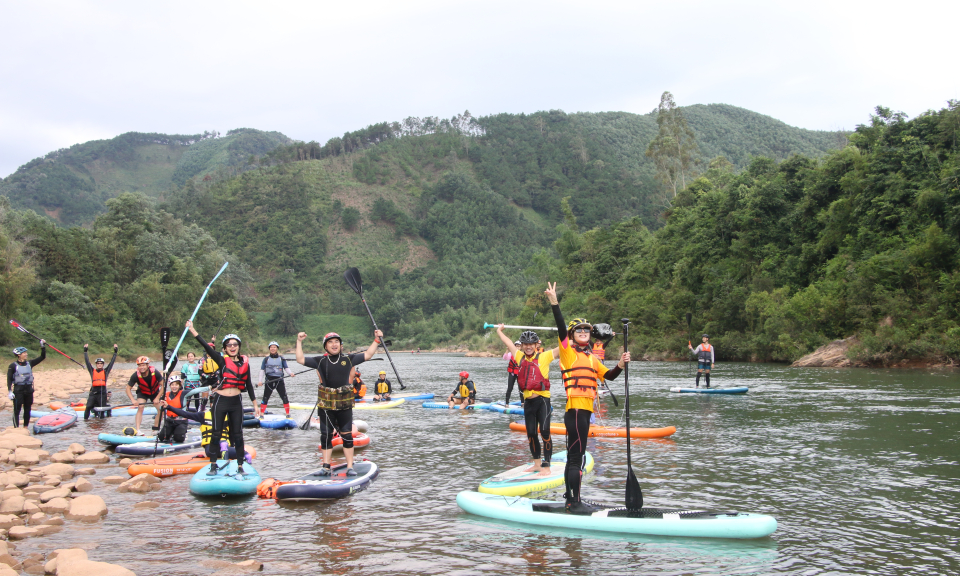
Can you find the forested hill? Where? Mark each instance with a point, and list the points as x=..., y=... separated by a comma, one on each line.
x=72, y=185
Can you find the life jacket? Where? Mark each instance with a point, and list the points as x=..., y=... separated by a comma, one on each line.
x=23, y=375
x=530, y=377
x=382, y=386
x=359, y=392
x=209, y=366
x=465, y=392
x=598, y=350
x=704, y=354
x=99, y=377
x=206, y=429
x=513, y=367
x=153, y=386
x=335, y=392
x=191, y=372
x=580, y=379
x=274, y=367
x=235, y=373
x=175, y=400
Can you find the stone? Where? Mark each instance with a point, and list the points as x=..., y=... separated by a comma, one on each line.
x=10, y=493
x=85, y=471
x=9, y=521
x=38, y=489
x=114, y=480
x=76, y=448
x=8, y=560
x=52, y=480
x=35, y=569
x=12, y=505
x=37, y=518
x=145, y=504
x=15, y=478
x=125, y=462
x=830, y=355
x=74, y=562
x=44, y=529
x=26, y=456
x=55, y=506
x=92, y=458
x=31, y=507
x=250, y=565
x=55, y=493
x=43, y=454
x=21, y=532
x=65, y=457
x=88, y=507
x=54, y=521
x=19, y=439
x=8, y=571
x=50, y=567
x=136, y=486
x=82, y=485
x=64, y=471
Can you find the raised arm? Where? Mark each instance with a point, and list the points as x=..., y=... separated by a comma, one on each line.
x=372, y=349
x=503, y=338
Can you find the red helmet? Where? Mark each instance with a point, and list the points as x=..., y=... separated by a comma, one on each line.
x=330, y=336
x=464, y=374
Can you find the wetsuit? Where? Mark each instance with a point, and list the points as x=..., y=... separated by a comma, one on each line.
x=533, y=377
x=20, y=382
x=212, y=451
x=98, y=390
x=236, y=374
x=512, y=369
x=273, y=367
x=335, y=395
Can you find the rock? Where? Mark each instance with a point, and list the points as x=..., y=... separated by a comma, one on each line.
x=10, y=492
x=26, y=456
x=55, y=493
x=82, y=485
x=35, y=476
x=54, y=521
x=65, y=457
x=92, y=458
x=88, y=507
x=45, y=529
x=52, y=480
x=55, y=506
x=37, y=490
x=9, y=521
x=15, y=478
x=35, y=569
x=250, y=565
x=12, y=505
x=8, y=560
x=831, y=355
x=30, y=507
x=141, y=484
x=50, y=567
x=114, y=480
x=8, y=571
x=19, y=438
x=37, y=518
x=74, y=562
x=85, y=471
x=21, y=532
x=76, y=448
x=43, y=454
x=125, y=462
x=64, y=471
x=145, y=504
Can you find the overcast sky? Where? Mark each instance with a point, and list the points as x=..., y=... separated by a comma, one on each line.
x=77, y=71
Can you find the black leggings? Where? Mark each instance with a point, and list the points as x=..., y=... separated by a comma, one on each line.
x=173, y=429
x=277, y=385
x=536, y=414
x=511, y=380
x=230, y=407
x=95, y=399
x=577, y=422
x=22, y=398
x=336, y=421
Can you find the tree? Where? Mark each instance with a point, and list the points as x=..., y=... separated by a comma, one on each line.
x=674, y=150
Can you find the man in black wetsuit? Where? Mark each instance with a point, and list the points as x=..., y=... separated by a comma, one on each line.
x=20, y=382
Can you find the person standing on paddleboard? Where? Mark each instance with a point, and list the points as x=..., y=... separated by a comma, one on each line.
x=580, y=370
x=533, y=379
x=273, y=367
x=705, y=357
x=467, y=391
x=191, y=377
x=382, y=387
x=512, y=369
x=336, y=371
x=222, y=452
x=226, y=405
x=148, y=381
x=98, y=389
x=20, y=382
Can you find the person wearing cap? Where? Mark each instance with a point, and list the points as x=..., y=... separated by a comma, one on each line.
x=705, y=358
x=226, y=402
x=190, y=372
x=273, y=367
x=174, y=426
x=148, y=381
x=98, y=389
x=580, y=371
x=20, y=382
x=382, y=387
x=465, y=394
x=336, y=371
x=359, y=388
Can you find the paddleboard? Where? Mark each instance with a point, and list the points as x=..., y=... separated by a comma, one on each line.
x=277, y=422
x=117, y=439
x=227, y=482
x=517, y=481
x=404, y=395
x=178, y=464
x=736, y=390
x=445, y=406
x=607, y=431
x=503, y=409
x=379, y=405
x=316, y=487
x=55, y=421
x=127, y=410
x=152, y=449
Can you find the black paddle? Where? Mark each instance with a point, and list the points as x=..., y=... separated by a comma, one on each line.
x=164, y=340
x=634, y=497
x=352, y=276
x=689, y=334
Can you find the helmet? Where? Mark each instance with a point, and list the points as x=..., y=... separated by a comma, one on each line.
x=129, y=431
x=529, y=337
x=705, y=336
x=330, y=336
x=273, y=343
x=19, y=350
x=143, y=360
x=99, y=361
x=517, y=343
x=464, y=374
x=175, y=378
x=383, y=373
x=577, y=322
x=231, y=337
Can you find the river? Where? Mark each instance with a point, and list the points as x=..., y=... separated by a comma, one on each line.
x=860, y=468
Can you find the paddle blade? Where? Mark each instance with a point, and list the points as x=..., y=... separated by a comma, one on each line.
x=689, y=318
x=352, y=276
x=634, y=494
x=164, y=337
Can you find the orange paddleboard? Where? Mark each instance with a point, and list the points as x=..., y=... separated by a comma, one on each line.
x=607, y=431
x=177, y=464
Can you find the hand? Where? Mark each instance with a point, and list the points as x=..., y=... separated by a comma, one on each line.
x=259, y=384
x=499, y=328
x=378, y=334
x=551, y=293
x=163, y=403
x=10, y=395
x=256, y=409
x=43, y=343
x=115, y=347
x=624, y=359
x=301, y=336
x=85, y=346
x=189, y=326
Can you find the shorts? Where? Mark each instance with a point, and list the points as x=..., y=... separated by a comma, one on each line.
x=703, y=365
x=149, y=399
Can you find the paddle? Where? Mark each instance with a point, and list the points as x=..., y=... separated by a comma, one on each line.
x=17, y=325
x=634, y=497
x=164, y=341
x=195, y=310
x=689, y=335
x=352, y=276
x=554, y=328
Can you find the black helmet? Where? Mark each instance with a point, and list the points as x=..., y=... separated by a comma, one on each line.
x=529, y=337
x=705, y=336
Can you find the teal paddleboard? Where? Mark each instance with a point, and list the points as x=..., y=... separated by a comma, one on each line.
x=227, y=482
x=736, y=390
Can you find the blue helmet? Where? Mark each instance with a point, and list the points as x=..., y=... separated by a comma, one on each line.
x=231, y=337
x=19, y=350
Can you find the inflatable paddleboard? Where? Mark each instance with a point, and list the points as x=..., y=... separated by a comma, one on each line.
x=55, y=421
x=650, y=521
x=227, y=482
x=607, y=431
x=379, y=405
x=117, y=439
x=156, y=449
x=178, y=464
x=444, y=406
x=127, y=410
x=503, y=409
x=517, y=481
x=736, y=390
x=337, y=485
x=277, y=422
x=404, y=395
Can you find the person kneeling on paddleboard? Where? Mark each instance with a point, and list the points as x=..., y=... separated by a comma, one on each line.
x=336, y=371
x=533, y=379
x=20, y=382
x=705, y=357
x=359, y=388
x=97, y=396
x=580, y=370
x=467, y=391
x=226, y=404
x=174, y=429
x=382, y=387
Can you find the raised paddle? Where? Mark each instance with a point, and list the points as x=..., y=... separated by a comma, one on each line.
x=352, y=276
x=17, y=325
x=689, y=333
x=634, y=499
x=487, y=325
x=164, y=341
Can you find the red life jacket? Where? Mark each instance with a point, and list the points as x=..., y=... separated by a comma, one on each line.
x=149, y=388
x=99, y=377
x=235, y=375
x=529, y=376
x=175, y=400
x=513, y=367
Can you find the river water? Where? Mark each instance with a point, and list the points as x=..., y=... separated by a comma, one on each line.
x=860, y=468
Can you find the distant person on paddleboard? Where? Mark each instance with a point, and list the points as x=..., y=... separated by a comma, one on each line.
x=465, y=394
x=359, y=388
x=382, y=387
x=533, y=381
x=273, y=367
x=174, y=428
x=20, y=382
x=226, y=406
x=97, y=396
x=191, y=377
x=336, y=371
x=512, y=369
x=148, y=381
x=705, y=358
x=580, y=370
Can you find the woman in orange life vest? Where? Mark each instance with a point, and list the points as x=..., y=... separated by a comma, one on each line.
x=533, y=379
x=705, y=358
x=225, y=403
x=148, y=381
x=174, y=426
x=98, y=390
x=580, y=371
x=359, y=388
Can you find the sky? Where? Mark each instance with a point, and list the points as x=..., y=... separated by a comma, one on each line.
x=76, y=71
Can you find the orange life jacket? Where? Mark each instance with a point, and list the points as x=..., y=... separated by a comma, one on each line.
x=153, y=386
x=175, y=400
x=235, y=374
x=598, y=350
x=361, y=391
x=580, y=380
x=99, y=377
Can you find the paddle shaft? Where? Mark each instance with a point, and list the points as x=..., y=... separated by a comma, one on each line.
x=689, y=333
x=634, y=496
x=194, y=315
x=17, y=325
x=382, y=342
x=488, y=325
